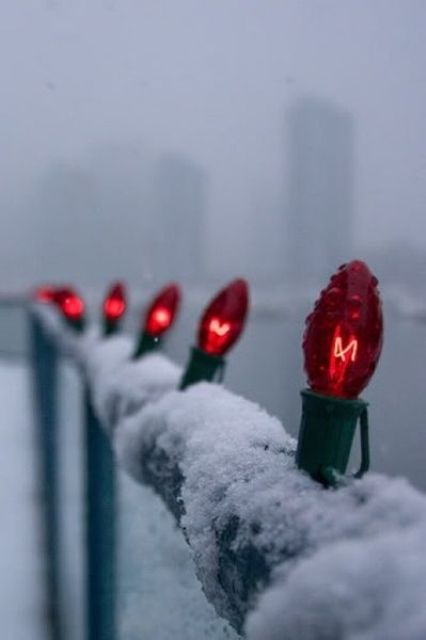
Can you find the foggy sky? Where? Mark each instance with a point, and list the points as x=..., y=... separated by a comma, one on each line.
x=212, y=79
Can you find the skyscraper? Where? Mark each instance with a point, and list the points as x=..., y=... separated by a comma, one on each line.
x=320, y=189
x=179, y=204
x=66, y=225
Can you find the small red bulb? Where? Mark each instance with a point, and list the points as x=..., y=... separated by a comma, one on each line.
x=70, y=303
x=44, y=294
x=223, y=320
x=344, y=333
x=115, y=302
x=163, y=311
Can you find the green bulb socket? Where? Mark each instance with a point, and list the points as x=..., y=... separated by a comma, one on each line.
x=202, y=366
x=77, y=324
x=146, y=344
x=326, y=434
x=111, y=327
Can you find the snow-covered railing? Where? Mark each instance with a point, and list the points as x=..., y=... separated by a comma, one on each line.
x=277, y=555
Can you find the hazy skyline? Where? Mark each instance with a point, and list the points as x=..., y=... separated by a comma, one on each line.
x=319, y=214
x=212, y=81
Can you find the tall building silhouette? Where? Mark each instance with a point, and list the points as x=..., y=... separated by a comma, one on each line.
x=67, y=228
x=179, y=207
x=123, y=173
x=320, y=204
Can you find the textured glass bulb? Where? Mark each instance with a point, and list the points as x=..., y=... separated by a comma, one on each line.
x=344, y=333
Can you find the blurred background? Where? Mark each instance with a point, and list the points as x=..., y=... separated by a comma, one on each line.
x=198, y=141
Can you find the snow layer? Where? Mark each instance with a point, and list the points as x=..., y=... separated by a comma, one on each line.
x=71, y=343
x=243, y=495
x=357, y=590
x=119, y=385
x=159, y=596
x=345, y=564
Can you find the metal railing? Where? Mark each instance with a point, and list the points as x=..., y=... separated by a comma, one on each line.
x=244, y=561
x=99, y=491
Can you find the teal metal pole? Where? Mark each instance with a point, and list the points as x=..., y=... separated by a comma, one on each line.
x=44, y=370
x=100, y=528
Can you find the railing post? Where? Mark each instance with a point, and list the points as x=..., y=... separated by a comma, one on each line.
x=100, y=528
x=44, y=369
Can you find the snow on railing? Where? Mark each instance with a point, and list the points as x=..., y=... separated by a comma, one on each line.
x=277, y=555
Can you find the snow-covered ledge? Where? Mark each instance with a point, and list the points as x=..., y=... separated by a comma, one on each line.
x=277, y=555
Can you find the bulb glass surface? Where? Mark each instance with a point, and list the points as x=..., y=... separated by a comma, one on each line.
x=223, y=320
x=70, y=303
x=115, y=303
x=163, y=311
x=45, y=294
x=344, y=333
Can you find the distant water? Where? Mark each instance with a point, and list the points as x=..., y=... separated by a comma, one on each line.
x=13, y=326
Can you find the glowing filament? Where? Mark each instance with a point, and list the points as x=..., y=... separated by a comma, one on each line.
x=218, y=327
x=340, y=351
x=341, y=356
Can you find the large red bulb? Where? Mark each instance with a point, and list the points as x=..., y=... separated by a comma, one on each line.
x=163, y=310
x=344, y=333
x=223, y=321
x=70, y=303
x=115, y=302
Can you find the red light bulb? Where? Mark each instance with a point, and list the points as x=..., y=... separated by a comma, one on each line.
x=45, y=294
x=344, y=333
x=163, y=310
x=71, y=305
x=115, y=302
x=223, y=320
